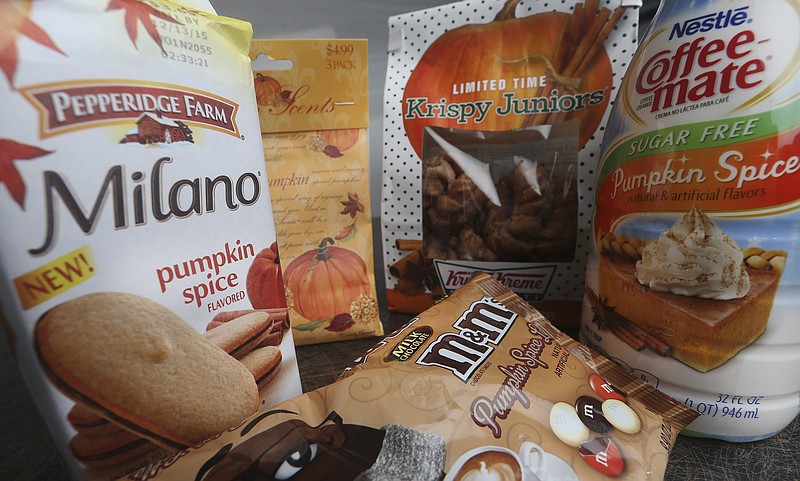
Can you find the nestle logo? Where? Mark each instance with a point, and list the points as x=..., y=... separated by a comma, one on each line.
x=711, y=21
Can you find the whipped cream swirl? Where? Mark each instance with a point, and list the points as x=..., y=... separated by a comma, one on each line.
x=694, y=258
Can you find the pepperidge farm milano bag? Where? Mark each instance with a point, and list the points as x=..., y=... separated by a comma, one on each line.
x=494, y=117
x=134, y=207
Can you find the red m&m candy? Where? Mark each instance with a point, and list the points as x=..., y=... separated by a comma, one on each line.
x=604, y=389
x=603, y=455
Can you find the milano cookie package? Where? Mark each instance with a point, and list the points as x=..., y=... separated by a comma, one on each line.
x=313, y=106
x=491, y=145
x=137, y=228
x=478, y=387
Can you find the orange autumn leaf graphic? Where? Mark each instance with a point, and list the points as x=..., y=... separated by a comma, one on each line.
x=9, y=175
x=352, y=206
x=137, y=11
x=15, y=23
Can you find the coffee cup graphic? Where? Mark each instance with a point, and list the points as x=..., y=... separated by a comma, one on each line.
x=497, y=463
x=488, y=462
x=545, y=466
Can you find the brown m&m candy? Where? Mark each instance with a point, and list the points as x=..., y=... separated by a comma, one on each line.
x=603, y=455
x=590, y=412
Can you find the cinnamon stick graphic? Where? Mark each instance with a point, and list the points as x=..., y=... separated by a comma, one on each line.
x=399, y=268
x=408, y=244
x=627, y=337
x=588, y=42
x=604, y=33
x=653, y=343
x=564, y=45
x=633, y=335
x=591, y=7
x=572, y=58
x=564, y=50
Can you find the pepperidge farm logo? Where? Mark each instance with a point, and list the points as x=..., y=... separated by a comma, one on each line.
x=529, y=282
x=66, y=107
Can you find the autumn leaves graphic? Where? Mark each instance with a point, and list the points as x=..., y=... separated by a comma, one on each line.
x=11, y=151
x=136, y=11
x=16, y=23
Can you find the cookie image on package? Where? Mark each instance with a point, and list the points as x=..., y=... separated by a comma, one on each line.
x=241, y=335
x=144, y=368
x=279, y=317
x=109, y=449
x=84, y=420
x=263, y=363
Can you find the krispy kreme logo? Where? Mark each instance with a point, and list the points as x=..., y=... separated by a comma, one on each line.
x=530, y=282
x=64, y=107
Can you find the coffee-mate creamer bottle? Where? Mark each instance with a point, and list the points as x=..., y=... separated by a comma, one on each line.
x=694, y=279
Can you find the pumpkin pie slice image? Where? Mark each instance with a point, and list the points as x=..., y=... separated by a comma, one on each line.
x=704, y=317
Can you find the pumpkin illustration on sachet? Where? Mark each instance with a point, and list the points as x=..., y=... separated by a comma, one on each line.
x=269, y=92
x=325, y=281
x=343, y=139
x=264, y=280
x=554, y=75
x=333, y=143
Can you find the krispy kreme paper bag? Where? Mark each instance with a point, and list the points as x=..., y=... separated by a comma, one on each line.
x=137, y=227
x=480, y=172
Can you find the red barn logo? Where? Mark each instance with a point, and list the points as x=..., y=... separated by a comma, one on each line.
x=154, y=128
